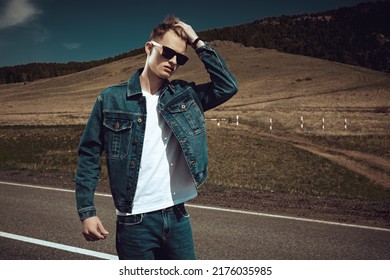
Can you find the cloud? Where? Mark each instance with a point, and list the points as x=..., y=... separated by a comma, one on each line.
x=72, y=46
x=16, y=12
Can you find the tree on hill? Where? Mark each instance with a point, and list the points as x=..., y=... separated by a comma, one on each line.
x=358, y=35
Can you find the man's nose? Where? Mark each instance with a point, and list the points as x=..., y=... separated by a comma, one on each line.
x=173, y=60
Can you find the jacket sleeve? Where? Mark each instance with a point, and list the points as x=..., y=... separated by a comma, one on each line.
x=88, y=168
x=223, y=85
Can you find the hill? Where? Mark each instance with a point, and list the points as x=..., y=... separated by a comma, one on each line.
x=358, y=35
x=272, y=84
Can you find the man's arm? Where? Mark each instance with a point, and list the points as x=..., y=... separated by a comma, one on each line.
x=87, y=178
x=223, y=85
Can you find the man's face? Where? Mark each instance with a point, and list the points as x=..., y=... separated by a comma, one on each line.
x=161, y=66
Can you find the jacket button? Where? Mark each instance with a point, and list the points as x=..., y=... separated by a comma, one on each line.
x=139, y=120
x=135, y=141
x=183, y=106
x=132, y=163
x=117, y=125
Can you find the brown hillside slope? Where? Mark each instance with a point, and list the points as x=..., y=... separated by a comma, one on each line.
x=272, y=84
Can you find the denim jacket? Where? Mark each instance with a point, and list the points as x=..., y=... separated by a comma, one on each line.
x=117, y=127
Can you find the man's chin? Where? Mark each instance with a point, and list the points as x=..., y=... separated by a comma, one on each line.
x=165, y=75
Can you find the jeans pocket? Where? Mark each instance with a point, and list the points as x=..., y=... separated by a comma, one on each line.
x=182, y=213
x=130, y=220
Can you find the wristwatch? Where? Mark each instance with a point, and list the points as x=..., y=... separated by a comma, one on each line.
x=195, y=42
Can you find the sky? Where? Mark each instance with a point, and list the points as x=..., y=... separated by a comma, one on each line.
x=83, y=30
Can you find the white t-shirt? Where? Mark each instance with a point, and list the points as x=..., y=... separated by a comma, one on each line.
x=164, y=178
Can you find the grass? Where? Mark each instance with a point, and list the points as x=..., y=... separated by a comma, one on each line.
x=238, y=159
x=261, y=163
x=39, y=148
x=374, y=144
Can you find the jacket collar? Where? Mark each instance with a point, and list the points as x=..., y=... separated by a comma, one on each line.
x=134, y=85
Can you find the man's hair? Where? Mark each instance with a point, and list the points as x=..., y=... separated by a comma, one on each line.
x=168, y=24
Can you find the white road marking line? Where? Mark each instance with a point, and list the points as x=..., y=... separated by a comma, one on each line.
x=287, y=217
x=46, y=188
x=224, y=210
x=58, y=246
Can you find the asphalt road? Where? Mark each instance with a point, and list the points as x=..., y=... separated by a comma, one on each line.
x=41, y=223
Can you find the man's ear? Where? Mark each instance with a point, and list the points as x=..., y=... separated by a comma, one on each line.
x=148, y=47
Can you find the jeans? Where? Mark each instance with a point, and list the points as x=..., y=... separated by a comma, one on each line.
x=159, y=235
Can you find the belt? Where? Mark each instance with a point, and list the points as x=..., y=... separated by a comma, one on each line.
x=176, y=207
x=171, y=208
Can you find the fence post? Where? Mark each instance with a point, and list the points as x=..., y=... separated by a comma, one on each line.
x=301, y=122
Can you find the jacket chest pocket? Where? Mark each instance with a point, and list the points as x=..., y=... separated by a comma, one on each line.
x=188, y=115
x=117, y=136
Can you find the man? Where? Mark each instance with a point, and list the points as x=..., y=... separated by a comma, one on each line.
x=153, y=133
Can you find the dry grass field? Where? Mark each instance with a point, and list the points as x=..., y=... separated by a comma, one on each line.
x=274, y=85
x=41, y=122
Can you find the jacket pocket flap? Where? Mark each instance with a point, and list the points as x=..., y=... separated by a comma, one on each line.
x=117, y=122
x=181, y=106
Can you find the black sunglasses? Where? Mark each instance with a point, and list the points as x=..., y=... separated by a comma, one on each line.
x=168, y=53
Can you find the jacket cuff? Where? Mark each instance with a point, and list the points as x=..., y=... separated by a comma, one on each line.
x=201, y=49
x=87, y=212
